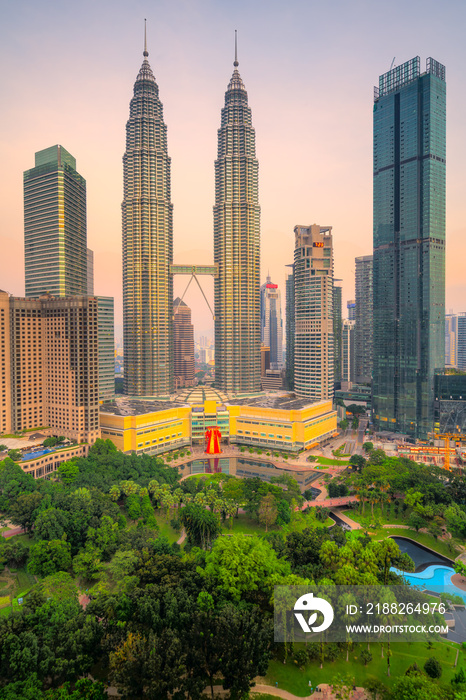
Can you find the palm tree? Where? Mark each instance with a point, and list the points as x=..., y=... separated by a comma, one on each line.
x=115, y=492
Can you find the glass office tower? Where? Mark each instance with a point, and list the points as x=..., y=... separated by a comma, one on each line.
x=409, y=245
x=147, y=245
x=237, y=247
x=55, y=233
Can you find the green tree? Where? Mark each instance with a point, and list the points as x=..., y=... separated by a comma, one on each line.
x=49, y=557
x=268, y=511
x=202, y=526
x=433, y=667
x=15, y=455
x=416, y=688
x=59, y=586
x=246, y=640
x=51, y=524
x=24, y=510
x=68, y=472
x=151, y=666
x=241, y=565
x=365, y=656
x=368, y=446
x=87, y=563
x=14, y=552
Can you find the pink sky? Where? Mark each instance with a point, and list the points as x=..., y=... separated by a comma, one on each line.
x=67, y=77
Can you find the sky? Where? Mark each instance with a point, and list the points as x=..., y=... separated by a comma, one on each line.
x=67, y=74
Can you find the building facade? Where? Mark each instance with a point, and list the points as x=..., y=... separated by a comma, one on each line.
x=271, y=322
x=409, y=245
x=183, y=345
x=290, y=329
x=337, y=332
x=154, y=427
x=55, y=234
x=237, y=246
x=147, y=214
x=106, y=338
x=313, y=281
x=461, y=341
x=347, y=354
x=363, y=330
x=52, y=361
x=450, y=402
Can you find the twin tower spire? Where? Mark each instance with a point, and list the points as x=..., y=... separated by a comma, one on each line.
x=147, y=214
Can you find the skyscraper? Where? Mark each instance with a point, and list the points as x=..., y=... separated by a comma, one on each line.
x=347, y=353
x=271, y=322
x=364, y=326
x=337, y=332
x=290, y=329
x=147, y=215
x=451, y=340
x=313, y=283
x=237, y=246
x=409, y=245
x=183, y=344
x=55, y=235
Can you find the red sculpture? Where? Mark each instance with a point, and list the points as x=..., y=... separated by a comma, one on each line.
x=212, y=441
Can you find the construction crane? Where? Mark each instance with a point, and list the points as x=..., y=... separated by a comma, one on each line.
x=446, y=437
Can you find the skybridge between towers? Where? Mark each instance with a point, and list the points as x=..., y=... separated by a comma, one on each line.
x=194, y=271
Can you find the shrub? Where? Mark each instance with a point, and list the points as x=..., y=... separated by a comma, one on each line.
x=433, y=667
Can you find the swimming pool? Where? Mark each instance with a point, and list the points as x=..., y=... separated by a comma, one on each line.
x=34, y=455
x=435, y=578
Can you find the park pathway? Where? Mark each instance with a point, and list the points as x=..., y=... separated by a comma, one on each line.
x=325, y=692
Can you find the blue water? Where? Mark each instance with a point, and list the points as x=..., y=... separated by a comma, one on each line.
x=33, y=455
x=435, y=578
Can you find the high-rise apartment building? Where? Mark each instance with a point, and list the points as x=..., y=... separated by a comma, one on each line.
x=451, y=339
x=147, y=214
x=337, y=331
x=271, y=322
x=237, y=246
x=313, y=282
x=49, y=351
x=347, y=353
x=461, y=341
x=90, y=272
x=290, y=329
x=351, y=309
x=364, y=326
x=106, y=342
x=409, y=245
x=183, y=345
x=55, y=236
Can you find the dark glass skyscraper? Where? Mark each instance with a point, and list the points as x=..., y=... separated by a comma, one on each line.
x=409, y=245
x=363, y=329
x=147, y=245
x=237, y=246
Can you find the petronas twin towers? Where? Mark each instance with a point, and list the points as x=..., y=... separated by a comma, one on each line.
x=148, y=246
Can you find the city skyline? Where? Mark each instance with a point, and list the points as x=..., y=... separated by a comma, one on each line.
x=92, y=114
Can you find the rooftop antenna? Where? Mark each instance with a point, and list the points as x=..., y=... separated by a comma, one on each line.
x=146, y=53
x=236, y=64
x=392, y=62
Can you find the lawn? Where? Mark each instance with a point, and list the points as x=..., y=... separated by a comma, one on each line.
x=295, y=681
x=165, y=529
x=332, y=462
x=245, y=525
x=388, y=516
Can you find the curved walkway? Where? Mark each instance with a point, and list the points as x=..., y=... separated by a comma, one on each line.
x=324, y=694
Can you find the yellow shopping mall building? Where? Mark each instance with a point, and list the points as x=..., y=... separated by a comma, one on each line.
x=275, y=422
